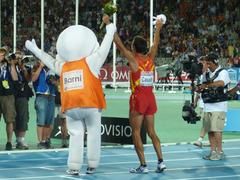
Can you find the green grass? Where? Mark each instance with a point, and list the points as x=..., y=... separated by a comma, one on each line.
x=169, y=124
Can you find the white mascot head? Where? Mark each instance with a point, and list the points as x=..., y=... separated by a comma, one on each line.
x=76, y=42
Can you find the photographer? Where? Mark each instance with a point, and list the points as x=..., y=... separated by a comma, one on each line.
x=213, y=89
x=61, y=117
x=8, y=74
x=44, y=85
x=198, y=100
x=22, y=93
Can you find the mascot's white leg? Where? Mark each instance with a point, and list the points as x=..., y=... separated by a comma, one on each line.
x=93, y=125
x=76, y=143
x=77, y=119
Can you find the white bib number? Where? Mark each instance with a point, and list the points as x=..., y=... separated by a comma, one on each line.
x=146, y=78
x=73, y=80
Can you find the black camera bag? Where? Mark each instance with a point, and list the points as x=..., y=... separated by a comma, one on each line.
x=216, y=94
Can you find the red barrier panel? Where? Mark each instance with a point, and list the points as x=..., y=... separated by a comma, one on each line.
x=122, y=73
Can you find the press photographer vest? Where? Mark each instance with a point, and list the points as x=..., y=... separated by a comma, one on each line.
x=21, y=87
x=6, y=82
x=214, y=94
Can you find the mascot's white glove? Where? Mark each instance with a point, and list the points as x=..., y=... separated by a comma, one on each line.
x=32, y=46
x=162, y=17
x=48, y=60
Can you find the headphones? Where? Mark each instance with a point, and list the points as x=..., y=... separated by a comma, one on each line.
x=213, y=57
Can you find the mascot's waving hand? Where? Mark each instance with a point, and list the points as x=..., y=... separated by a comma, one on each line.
x=78, y=62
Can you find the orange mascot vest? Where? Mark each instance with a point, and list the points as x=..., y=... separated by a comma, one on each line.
x=79, y=87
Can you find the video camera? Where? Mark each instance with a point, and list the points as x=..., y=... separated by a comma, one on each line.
x=191, y=66
x=194, y=69
x=17, y=56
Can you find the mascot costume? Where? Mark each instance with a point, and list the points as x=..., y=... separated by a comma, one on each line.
x=78, y=62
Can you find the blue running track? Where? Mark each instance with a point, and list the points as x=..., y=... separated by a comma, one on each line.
x=184, y=161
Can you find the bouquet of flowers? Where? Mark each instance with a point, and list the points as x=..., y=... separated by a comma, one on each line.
x=109, y=9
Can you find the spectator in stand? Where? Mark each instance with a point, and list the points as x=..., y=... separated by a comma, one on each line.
x=236, y=62
x=230, y=50
x=8, y=74
x=204, y=19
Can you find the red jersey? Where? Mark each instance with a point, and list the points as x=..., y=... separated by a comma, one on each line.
x=142, y=80
x=142, y=99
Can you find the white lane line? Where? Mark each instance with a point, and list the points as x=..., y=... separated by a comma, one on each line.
x=118, y=163
x=35, y=167
x=44, y=177
x=33, y=151
x=211, y=177
x=168, y=152
x=126, y=172
x=35, y=159
x=115, y=155
x=104, y=147
x=47, y=168
x=71, y=177
x=175, y=169
x=204, y=167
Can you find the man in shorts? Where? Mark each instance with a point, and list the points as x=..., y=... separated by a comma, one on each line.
x=61, y=118
x=215, y=107
x=142, y=100
x=8, y=74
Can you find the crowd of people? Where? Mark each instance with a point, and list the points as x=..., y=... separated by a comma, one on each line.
x=15, y=91
x=191, y=26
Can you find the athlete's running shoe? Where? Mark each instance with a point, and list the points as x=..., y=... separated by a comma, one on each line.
x=160, y=167
x=140, y=169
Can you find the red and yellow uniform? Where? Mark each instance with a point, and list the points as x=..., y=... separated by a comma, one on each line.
x=78, y=83
x=142, y=99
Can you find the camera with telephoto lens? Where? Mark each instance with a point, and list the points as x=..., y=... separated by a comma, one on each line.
x=25, y=60
x=194, y=69
x=12, y=56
